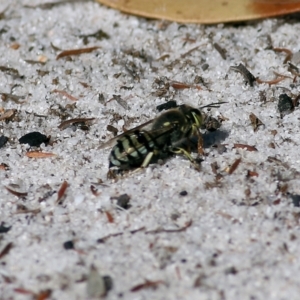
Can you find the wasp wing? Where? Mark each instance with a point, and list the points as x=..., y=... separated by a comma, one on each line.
x=112, y=141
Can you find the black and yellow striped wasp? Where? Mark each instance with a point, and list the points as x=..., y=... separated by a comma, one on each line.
x=161, y=137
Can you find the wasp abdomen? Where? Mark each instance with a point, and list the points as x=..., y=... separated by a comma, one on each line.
x=131, y=150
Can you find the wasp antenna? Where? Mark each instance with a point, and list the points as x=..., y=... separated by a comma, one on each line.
x=213, y=105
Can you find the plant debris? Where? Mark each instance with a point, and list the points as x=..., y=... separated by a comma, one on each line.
x=288, y=53
x=94, y=190
x=6, y=249
x=65, y=94
x=146, y=285
x=10, y=71
x=250, y=79
x=109, y=216
x=73, y=52
x=22, y=209
x=244, y=146
x=34, y=139
x=103, y=240
x=16, y=193
x=221, y=50
x=98, y=35
x=61, y=192
x=255, y=121
x=39, y=154
x=159, y=230
x=15, y=98
x=8, y=115
x=181, y=85
x=63, y=125
x=234, y=166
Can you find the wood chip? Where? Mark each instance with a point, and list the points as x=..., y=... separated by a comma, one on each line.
x=38, y=154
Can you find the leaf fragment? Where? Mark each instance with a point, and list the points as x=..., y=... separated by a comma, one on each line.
x=73, y=52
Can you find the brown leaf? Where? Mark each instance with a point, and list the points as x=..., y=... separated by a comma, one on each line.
x=206, y=11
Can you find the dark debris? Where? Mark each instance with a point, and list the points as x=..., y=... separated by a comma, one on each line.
x=34, y=139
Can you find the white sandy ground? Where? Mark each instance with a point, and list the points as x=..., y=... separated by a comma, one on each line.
x=243, y=240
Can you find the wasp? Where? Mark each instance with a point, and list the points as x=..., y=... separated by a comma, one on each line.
x=169, y=133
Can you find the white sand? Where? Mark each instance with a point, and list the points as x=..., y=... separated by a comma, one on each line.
x=243, y=242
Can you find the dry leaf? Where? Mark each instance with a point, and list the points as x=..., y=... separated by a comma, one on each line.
x=205, y=11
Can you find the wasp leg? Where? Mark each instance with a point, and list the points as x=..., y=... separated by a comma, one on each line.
x=187, y=155
x=145, y=163
x=183, y=152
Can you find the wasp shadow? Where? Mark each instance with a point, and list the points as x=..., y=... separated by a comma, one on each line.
x=214, y=138
x=210, y=139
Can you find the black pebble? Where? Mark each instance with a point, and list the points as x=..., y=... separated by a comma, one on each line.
x=123, y=201
x=285, y=105
x=4, y=229
x=69, y=245
x=3, y=140
x=34, y=139
x=183, y=193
